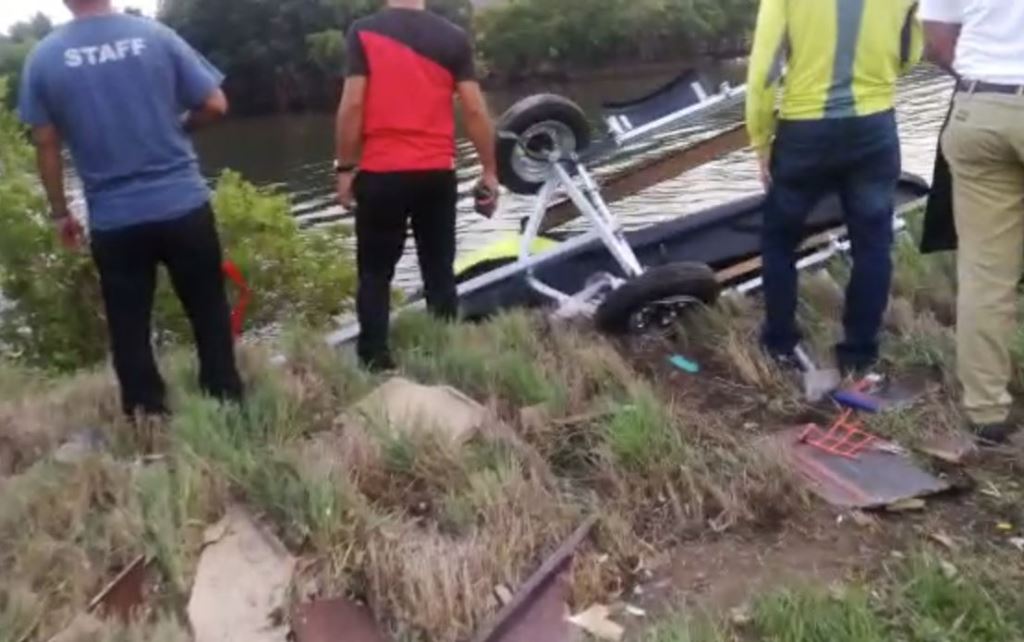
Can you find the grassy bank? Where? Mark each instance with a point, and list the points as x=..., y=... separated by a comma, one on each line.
x=920, y=598
x=424, y=532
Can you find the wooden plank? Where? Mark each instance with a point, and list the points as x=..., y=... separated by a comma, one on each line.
x=637, y=178
x=750, y=266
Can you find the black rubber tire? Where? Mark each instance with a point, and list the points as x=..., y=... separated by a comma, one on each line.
x=695, y=280
x=525, y=114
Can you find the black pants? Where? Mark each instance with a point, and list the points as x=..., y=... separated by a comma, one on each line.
x=387, y=203
x=127, y=260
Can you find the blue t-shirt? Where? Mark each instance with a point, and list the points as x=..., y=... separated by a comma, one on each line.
x=115, y=87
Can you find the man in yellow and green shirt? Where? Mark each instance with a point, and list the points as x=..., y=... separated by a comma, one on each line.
x=833, y=130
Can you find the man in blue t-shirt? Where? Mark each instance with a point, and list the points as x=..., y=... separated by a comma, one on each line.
x=120, y=92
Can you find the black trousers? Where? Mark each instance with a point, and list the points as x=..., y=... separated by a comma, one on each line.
x=127, y=259
x=387, y=204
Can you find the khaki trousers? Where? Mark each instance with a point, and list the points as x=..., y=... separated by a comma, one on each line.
x=984, y=143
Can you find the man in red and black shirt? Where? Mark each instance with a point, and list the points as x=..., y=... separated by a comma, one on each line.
x=396, y=126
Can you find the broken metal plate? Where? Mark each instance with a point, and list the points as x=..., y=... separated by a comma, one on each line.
x=546, y=618
x=874, y=479
x=539, y=611
x=337, y=620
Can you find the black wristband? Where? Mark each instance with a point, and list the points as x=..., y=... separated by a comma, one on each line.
x=345, y=169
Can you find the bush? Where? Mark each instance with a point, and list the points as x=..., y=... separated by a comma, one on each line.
x=52, y=314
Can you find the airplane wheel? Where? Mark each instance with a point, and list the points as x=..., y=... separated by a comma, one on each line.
x=656, y=298
x=529, y=131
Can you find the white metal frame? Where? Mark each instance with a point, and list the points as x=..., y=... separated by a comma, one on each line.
x=838, y=245
x=624, y=132
x=585, y=194
x=570, y=177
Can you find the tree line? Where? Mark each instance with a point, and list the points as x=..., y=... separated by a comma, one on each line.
x=522, y=38
x=15, y=46
x=282, y=55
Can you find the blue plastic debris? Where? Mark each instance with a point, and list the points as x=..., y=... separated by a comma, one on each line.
x=858, y=401
x=684, y=364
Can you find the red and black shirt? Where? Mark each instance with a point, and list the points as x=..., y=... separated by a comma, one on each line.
x=413, y=61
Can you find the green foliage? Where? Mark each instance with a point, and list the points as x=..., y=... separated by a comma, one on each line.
x=458, y=11
x=35, y=29
x=496, y=358
x=814, y=616
x=301, y=276
x=52, y=317
x=244, y=445
x=15, y=47
x=281, y=54
x=263, y=46
x=685, y=629
x=327, y=51
x=521, y=37
x=922, y=600
x=941, y=604
x=641, y=433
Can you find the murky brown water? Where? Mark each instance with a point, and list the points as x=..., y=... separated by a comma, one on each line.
x=295, y=153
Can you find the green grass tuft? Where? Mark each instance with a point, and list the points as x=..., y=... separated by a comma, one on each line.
x=641, y=433
x=815, y=616
x=939, y=603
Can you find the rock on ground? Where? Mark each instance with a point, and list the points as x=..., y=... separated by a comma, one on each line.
x=242, y=583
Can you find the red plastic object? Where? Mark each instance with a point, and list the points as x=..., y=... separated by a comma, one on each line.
x=845, y=438
x=233, y=274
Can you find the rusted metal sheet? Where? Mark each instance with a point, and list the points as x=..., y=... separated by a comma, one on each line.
x=636, y=178
x=875, y=478
x=336, y=620
x=126, y=594
x=538, y=611
x=546, y=618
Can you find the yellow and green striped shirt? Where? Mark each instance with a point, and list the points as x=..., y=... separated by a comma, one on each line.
x=840, y=58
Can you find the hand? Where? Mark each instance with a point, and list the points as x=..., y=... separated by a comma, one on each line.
x=70, y=232
x=490, y=180
x=764, y=160
x=486, y=195
x=346, y=196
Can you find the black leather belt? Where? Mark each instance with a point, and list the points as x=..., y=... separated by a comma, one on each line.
x=979, y=87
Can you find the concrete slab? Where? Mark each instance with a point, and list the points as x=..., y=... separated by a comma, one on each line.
x=407, y=406
x=241, y=587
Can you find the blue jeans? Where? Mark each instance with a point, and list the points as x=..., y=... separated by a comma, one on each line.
x=858, y=159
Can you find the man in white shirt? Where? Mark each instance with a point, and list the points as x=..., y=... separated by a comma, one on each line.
x=981, y=42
